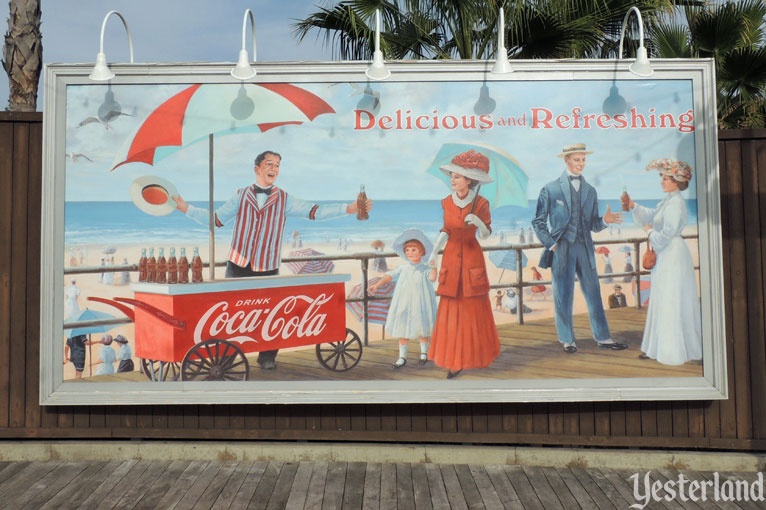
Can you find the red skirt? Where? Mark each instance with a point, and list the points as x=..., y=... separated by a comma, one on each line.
x=465, y=335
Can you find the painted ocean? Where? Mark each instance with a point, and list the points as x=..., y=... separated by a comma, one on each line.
x=121, y=223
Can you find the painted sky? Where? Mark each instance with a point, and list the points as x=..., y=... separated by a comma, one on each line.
x=328, y=159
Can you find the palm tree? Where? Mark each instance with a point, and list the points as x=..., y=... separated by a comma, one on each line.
x=22, y=54
x=732, y=34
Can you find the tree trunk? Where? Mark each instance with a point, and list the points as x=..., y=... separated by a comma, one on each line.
x=22, y=55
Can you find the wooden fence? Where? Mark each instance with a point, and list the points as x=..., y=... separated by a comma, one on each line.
x=737, y=423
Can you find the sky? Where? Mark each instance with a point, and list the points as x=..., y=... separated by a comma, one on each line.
x=169, y=31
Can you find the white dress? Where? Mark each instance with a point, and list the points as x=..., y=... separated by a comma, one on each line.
x=672, y=334
x=412, y=313
x=70, y=300
x=107, y=357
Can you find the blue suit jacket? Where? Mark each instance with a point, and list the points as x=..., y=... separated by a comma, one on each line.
x=553, y=207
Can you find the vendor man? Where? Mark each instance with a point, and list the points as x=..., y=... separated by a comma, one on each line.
x=259, y=212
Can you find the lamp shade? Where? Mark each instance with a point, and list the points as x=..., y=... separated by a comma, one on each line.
x=243, y=70
x=377, y=70
x=101, y=71
x=642, y=66
x=502, y=65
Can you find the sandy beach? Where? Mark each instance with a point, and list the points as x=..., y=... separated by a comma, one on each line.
x=93, y=285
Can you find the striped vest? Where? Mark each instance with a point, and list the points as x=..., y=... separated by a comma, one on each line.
x=257, y=237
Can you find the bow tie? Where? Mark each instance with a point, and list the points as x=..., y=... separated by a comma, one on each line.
x=574, y=177
x=258, y=189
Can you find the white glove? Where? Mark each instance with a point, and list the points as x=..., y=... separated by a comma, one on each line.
x=438, y=245
x=472, y=219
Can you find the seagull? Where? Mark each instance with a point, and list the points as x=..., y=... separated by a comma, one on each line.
x=75, y=157
x=105, y=120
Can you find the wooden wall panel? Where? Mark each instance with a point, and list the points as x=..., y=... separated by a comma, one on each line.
x=737, y=423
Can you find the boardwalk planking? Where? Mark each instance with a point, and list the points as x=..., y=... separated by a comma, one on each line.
x=439, y=497
x=405, y=497
x=355, y=475
x=265, y=488
x=299, y=489
x=457, y=499
x=543, y=488
x=503, y=487
x=371, y=500
x=182, y=484
x=73, y=493
x=388, y=486
x=486, y=490
x=249, y=484
x=523, y=488
x=420, y=488
x=161, y=485
x=281, y=492
x=47, y=487
x=334, y=486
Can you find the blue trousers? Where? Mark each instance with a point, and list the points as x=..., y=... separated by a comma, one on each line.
x=570, y=259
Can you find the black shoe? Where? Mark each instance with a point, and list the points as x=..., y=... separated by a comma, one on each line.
x=452, y=375
x=615, y=346
x=267, y=364
x=423, y=359
x=397, y=364
x=570, y=348
x=643, y=356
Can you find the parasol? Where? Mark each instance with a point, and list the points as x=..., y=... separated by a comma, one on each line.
x=507, y=259
x=109, y=250
x=309, y=266
x=602, y=250
x=626, y=249
x=88, y=315
x=377, y=310
x=202, y=111
x=646, y=285
x=509, y=180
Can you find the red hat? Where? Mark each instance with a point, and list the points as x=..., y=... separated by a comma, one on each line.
x=471, y=164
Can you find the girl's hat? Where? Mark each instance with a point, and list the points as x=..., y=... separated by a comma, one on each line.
x=106, y=339
x=678, y=170
x=120, y=339
x=408, y=235
x=471, y=164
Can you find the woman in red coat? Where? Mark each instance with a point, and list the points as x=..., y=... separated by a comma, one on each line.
x=465, y=335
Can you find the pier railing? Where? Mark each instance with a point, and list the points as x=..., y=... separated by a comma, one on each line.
x=364, y=258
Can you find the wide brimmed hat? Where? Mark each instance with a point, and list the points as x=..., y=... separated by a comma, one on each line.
x=678, y=170
x=153, y=194
x=412, y=234
x=120, y=339
x=471, y=164
x=573, y=149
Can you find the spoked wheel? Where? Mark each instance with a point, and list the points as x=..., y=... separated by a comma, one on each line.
x=215, y=360
x=340, y=356
x=161, y=371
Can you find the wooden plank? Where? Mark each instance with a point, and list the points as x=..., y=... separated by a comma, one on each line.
x=46, y=487
x=680, y=419
x=486, y=490
x=439, y=498
x=300, y=487
x=577, y=490
x=405, y=497
x=355, y=475
x=249, y=485
x=216, y=485
x=200, y=485
x=523, y=488
x=587, y=419
x=315, y=495
x=182, y=484
x=6, y=231
x=620, y=480
x=560, y=489
x=670, y=502
x=452, y=485
x=232, y=486
x=26, y=477
x=262, y=494
x=120, y=478
x=144, y=483
x=503, y=487
x=10, y=469
x=71, y=496
x=744, y=501
x=334, y=486
x=371, y=499
x=664, y=419
x=281, y=492
x=18, y=317
x=607, y=488
x=420, y=487
x=601, y=419
x=542, y=487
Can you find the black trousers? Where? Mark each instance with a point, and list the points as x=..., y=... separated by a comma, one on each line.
x=235, y=271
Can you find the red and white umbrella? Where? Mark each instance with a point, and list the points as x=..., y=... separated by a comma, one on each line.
x=377, y=310
x=309, y=266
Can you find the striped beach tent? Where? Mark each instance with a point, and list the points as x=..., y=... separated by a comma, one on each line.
x=309, y=266
x=377, y=310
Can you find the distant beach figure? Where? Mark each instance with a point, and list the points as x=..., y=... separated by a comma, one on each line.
x=101, y=275
x=628, y=267
x=531, y=235
x=80, y=256
x=511, y=302
x=71, y=305
x=672, y=334
x=109, y=277
x=412, y=313
x=501, y=237
x=125, y=275
x=379, y=264
x=617, y=299
x=499, y=301
x=72, y=258
x=607, y=268
x=521, y=236
x=124, y=355
x=340, y=243
x=538, y=289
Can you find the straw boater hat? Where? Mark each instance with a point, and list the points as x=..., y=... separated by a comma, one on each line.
x=678, y=170
x=572, y=149
x=409, y=234
x=471, y=164
x=153, y=194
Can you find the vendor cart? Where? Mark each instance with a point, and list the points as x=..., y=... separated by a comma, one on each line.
x=203, y=331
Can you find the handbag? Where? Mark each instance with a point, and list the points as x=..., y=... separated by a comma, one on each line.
x=650, y=257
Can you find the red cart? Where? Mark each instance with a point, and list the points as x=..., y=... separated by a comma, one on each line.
x=202, y=331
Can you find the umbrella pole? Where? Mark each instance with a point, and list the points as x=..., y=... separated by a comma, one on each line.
x=501, y=275
x=211, y=255
x=475, y=199
x=90, y=358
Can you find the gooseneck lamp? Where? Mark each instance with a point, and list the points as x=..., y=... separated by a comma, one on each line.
x=502, y=65
x=642, y=66
x=101, y=71
x=377, y=69
x=243, y=70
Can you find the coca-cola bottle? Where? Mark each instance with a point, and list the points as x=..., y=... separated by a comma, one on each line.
x=142, y=266
x=196, y=267
x=625, y=199
x=172, y=267
x=161, y=273
x=183, y=267
x=151, y=266
x=361, y=205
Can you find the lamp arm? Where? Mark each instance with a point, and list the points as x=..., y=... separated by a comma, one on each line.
x=377, y=30
x=127, y=31
x=252, y=30
x=501, y=33
x=625, y=24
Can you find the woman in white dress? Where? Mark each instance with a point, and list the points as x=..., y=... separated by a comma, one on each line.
x=412, y=313
x=672, y=334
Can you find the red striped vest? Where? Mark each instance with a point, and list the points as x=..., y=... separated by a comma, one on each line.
x=257, y=237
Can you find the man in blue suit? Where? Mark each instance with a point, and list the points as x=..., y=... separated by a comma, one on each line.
x=570, y=205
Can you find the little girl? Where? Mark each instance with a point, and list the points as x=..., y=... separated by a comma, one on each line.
x=106, y=356
x=412, y=313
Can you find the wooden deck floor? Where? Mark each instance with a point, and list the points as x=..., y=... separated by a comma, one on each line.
x=529, y=351
x=202, y=485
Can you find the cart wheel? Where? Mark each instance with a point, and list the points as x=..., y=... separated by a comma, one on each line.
x=215, y=360
x=340, y=356
x=160, y=371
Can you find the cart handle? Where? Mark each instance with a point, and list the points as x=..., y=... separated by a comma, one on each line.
x=165, y=317
x=129, y=313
